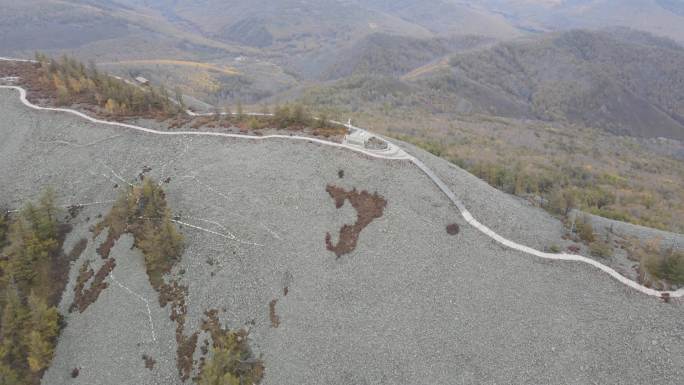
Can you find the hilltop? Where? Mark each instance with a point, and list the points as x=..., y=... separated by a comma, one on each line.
x=298, y=248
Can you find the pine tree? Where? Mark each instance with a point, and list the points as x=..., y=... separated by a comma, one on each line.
x=111, y=106
x=39, y=351
x=14, y=316
x=281, y=116
x=8, y=376
x=44, y=318
x=322, y=121
x=3, y=230
x=179, y=98
x=46, y=224
x=22, y=254
x=253, y=123
x=299, y=115
x=585, y=230
x=239, y=111
x=219, y=368
x=152, y=200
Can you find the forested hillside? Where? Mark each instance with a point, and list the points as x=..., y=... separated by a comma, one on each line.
x=66, y=81
x=626, y=82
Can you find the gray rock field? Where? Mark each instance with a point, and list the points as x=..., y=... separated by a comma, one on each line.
x=410, y=305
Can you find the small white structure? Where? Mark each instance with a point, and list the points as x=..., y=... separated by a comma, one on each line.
x=142, y=80
x=357, y=138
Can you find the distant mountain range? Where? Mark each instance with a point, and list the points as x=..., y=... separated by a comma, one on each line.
x=624, y=81
x=621, y=80
x=512, y=58
x=311, y=26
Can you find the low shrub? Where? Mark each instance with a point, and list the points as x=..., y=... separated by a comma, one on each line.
x=585, y=230
x=601, y=249
x=667, y=265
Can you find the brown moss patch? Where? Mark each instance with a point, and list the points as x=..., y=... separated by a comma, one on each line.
x=149, y=361
x=453, y=229
x=184, y=353
x=85, y=297
x=275, y=319
x=368, y=208
x=175, y=294
x=84, y=275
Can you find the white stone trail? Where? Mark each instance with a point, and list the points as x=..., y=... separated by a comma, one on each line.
x=392, y=152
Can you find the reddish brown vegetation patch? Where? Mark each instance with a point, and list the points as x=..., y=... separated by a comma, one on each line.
x=149, y=361
x=85, y=297
x=105, y=247
x=275, y=319
x=75, y=372
x=185, y=351
x=368, y=207
x=453, y=229
x=29, y=75
x=212, y=325
x=84, y=275
x=175, y=294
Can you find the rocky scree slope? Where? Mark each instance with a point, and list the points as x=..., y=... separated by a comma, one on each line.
x=257, y=213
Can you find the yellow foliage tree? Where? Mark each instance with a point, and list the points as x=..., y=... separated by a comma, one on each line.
x=111, y=107
x=39, y=352
x=75, y=85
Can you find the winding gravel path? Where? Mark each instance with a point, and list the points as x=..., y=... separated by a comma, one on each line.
x=392, y=152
